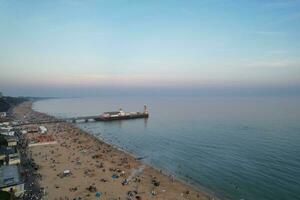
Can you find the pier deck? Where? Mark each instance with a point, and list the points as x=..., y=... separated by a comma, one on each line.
x=109, y=118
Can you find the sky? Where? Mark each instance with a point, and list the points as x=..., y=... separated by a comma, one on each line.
x=85, y=47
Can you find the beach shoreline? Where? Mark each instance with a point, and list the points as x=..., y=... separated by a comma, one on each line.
x=96, y=166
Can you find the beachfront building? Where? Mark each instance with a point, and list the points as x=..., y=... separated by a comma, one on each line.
x=4, y=124
x=12, y=141
x=2, y=158
x=13, y=156
x=9, y=155
x=8, y=133
x=11, y=180
x=32, y=129
x=5, y=129
x=2, y=114
x=3, y=117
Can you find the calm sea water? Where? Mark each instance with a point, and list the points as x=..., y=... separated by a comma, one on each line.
x=237, y=148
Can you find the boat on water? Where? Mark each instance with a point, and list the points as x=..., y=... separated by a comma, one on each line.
x=120, y=115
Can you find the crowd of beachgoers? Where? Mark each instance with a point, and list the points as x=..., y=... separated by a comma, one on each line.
x=80, y=166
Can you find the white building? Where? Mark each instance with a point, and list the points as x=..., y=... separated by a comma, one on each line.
x=8, y=133
x=10, y=179
x=2, y=114
x=43, y=129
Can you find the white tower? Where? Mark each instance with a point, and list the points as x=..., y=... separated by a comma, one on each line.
x=121, y=112
x=145, y=109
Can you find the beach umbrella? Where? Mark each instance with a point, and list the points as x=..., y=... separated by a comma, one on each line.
x=98, y=194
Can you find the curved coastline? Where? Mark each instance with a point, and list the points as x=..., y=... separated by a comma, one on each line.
x=192, y=191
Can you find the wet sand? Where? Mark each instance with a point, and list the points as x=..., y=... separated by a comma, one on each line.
x=96, y=167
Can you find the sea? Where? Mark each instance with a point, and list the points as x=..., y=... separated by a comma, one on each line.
x=239, y=148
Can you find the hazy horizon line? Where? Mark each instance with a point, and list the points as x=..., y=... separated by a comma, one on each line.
x=206, y=90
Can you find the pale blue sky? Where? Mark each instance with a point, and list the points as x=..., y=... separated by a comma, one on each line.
x=76, y=44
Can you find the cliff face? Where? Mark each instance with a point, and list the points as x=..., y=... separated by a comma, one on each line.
x=7, y=102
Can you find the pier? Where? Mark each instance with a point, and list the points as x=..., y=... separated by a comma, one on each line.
x=112, y=116
x=107, y=116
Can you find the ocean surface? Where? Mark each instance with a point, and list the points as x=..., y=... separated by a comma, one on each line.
x=235, y=148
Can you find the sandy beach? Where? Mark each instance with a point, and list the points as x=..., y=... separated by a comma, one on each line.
x=93, y=166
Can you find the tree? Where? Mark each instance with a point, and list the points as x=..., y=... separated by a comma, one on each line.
x=5, y=195
x=0, y=94
x=3, y=141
